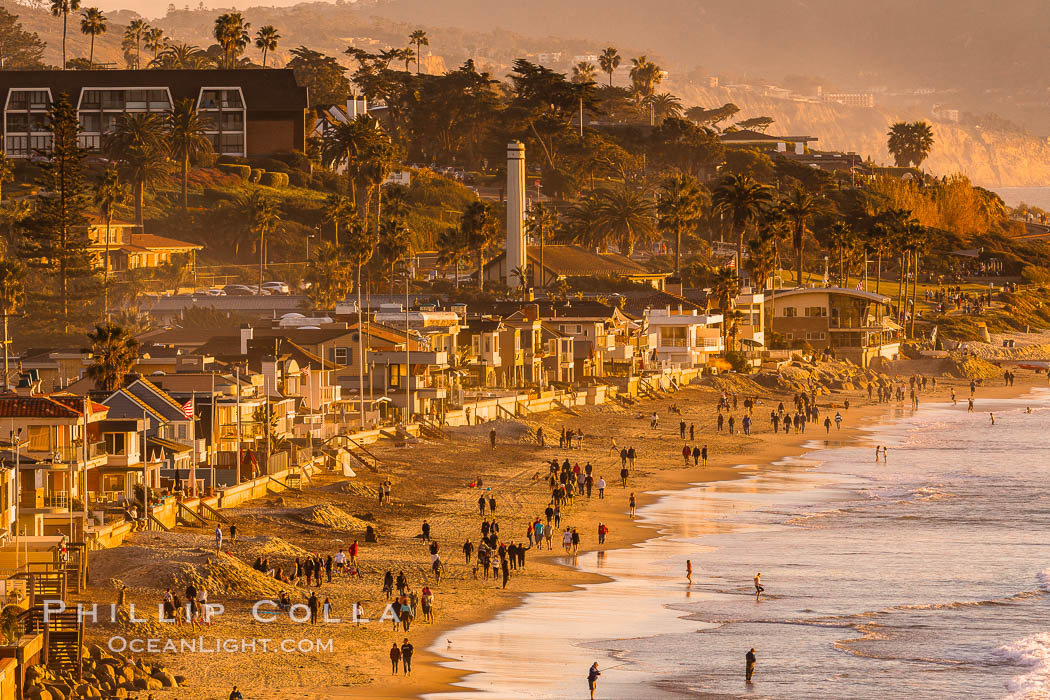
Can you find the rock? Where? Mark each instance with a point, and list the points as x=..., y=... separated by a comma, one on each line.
x=56, y=692
x=166, y=679
x=181, y=680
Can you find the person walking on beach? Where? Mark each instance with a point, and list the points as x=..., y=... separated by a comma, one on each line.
x=691, y=428
x=632, y=504
x=956, y=403
x=406, y=656
x=838, y=421
x=218, y=539
x=623, y=457
x=969, y=408
x=685, y=454
x=758, y=583
x=696, y=455
x=703, y=455
x=592, y=678
x=827, y=424
x=681, y=429
x=623, y=477
x=481, y=505
x=877, y=448
x=601, y=488
x=631, y=454
x=749, y=667
x=236, y=694
x=992, y=415
x=566, y=540
x=689, y=571
x=233, y=534
x=602, y=531
x=395, y=657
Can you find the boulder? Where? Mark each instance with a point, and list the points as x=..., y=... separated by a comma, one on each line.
x=166, y=679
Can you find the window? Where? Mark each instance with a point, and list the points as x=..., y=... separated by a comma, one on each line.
x=90, y=122
x=39, y=438
x=112, y=483
x=91, y=99
x=116, y=443
x=674, y=336
x=231, y=121
x=341, y=355
x=815, y=335
x=816, y=311
x=395, y=376
x=18, y=122
x=790, y=312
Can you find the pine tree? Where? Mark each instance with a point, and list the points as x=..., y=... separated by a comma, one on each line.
x=55, y=240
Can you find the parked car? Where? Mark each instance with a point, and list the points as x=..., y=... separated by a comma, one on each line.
x=218, y=292
x=277, y=287
x=238, y=290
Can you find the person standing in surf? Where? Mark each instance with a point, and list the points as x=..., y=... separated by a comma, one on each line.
x=758, y=583
x=689, y=571
x=592, y=678
x=749, y=667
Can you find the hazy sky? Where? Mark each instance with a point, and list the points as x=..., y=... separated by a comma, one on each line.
x=158, y=8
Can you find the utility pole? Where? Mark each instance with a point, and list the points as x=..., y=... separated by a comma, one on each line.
x=408, y=359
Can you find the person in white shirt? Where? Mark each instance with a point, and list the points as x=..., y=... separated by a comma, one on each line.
x=601, y=487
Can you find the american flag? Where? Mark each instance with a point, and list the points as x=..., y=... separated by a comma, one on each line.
x=305, y=371
x=187, y=409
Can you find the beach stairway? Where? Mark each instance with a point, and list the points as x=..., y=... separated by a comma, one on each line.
x=189, y=517
x=210, y=514
x=431, y=430
x=646, y=389
x=64, y=637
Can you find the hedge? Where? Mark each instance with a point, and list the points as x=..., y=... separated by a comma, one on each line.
x=274, y=179
x=242, y=171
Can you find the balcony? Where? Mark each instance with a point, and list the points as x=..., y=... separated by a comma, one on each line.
x=69, y=454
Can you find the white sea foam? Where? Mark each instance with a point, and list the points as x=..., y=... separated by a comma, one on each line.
x=1033, y=654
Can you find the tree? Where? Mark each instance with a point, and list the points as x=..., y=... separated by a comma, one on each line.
x=541, y=223
x=323, y=77
x=154, y=40
x=680, y=205
x=93, y=24
x=232, y=34
x=419, y=38
x=711, y=117
x=624, y=215
x=690, y=148
x=187, y=139
x=480, y=230
x=759, y=124
x=910, y=144
x=7, y=172
x=133, y=35
x=663, y=106
x=609, y=60
x=452, y=249
x=266, y=40
x=583, y=72
x=62, y=8
x=841, y=241
x=799, y=207
x=137, y=145
x=19, y=49
x=109, y=194
x=645, y=76
x=395, y=244
x=55, y=239
x=338, y=209
x=259, y=215
x=362, y=148
x=182, y=57
x=742, y=199
x=725, y=287
x=328, y=277
x=12, y=296
x=114, y=352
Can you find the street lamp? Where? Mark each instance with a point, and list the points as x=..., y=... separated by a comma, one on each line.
x=308, y=237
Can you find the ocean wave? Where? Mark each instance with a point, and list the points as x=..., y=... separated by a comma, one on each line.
x=1033, y=653
x=1043, y=577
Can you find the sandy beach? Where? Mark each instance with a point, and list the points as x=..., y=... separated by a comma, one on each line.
x=430, y=481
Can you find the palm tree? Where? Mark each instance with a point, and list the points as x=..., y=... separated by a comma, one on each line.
x=910, y=144
x=480, y=229
x=609, y=60
x=187, y=139
x=799, y=207
x=742, y=199
x=259, y=215
x=346, y=144
x=266, y=40
x=419, y=38
x=154, y=40
x=645, y=76
x=914, y=244
x=663, y=106
x=725, y=287
x=583, y=72
x=680, y=205
x=452, y=249
x=134, y=33
x=624, y=215
x=841, y=240
x=115, y=351
x=329, y=277
x=231, y=31
x=12, y=295
x=522, y=273
x=395, y=244
x=541, y=223
x=93, y=24
x=62, y=8
x=338, y=209
x=137, y=144
x=182, y=57
x=109, y=194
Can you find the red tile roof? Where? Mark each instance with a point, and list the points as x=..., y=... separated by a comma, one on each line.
x=54, y=406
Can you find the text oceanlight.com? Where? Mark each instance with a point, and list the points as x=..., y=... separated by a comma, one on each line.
x=200, y=645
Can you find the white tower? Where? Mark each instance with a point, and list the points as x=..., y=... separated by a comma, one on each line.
x=515, y=211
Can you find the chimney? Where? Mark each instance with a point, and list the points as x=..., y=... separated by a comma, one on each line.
x=247, y=334
x=516, y=255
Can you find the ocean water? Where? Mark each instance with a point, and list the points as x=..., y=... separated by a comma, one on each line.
x=925, y=576
x=1032, y=196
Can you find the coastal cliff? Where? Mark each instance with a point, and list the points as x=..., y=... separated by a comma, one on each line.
x=988, y=158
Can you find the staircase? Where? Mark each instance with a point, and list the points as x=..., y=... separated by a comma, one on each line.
x=431, y=430
x=646, y=389
x=64, y=635
x=189, y=517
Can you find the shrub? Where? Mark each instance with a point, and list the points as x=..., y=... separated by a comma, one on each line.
x=242, y=171
x=256, y=175
x=1036, y=274
x=297, y=178
x=231, y=160
x=270, y=164
x=738, y=362
x=271, y=179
